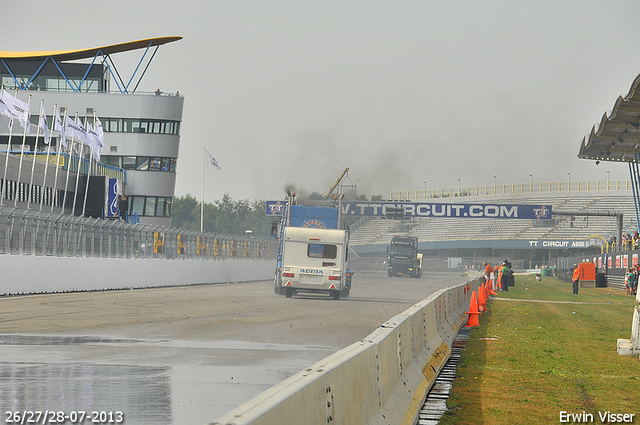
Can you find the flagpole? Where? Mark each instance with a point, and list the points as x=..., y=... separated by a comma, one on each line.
x=24, y=139
x=46, y=164
x=35, y=149
x=66, y=183
x=60, y=146
x=202, y=194
x=75, y=194
x=6, y=160
x=93, y=146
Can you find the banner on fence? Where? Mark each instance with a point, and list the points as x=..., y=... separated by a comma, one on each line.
x=430, y=209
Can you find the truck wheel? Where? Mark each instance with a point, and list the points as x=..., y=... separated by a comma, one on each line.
x=336, y=295
x=288, y=292
x=390, y=273
x=344, y=293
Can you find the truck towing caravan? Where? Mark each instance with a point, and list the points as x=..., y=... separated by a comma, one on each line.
x=313, y=252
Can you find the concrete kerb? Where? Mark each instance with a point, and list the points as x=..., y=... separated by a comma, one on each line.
x=383, y=379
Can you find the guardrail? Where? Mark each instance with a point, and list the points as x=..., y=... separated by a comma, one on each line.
x=511, y=189
x=383, y=379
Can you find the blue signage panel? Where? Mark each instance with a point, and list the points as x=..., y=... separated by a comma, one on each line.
x=324, y=218
x=113, y=200
x=276, y=208
x=430, y=209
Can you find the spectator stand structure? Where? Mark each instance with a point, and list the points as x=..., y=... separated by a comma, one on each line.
x=616, y=138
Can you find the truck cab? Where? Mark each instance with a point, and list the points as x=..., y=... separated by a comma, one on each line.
x=403, y=257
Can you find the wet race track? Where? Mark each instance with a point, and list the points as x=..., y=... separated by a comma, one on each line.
x=183, y=354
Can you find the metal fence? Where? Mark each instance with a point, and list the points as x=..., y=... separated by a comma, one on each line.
x=28, y=232
x=511, y=189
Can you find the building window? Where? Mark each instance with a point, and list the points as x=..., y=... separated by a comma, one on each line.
x=128, y=163
x=137, y=205
x=132, y=125
x=140, y=163
x=150, y=206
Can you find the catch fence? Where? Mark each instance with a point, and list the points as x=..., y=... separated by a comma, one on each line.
x=30, y=232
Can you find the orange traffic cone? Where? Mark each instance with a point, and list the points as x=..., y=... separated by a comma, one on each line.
x=473, y=312
x=482, y=299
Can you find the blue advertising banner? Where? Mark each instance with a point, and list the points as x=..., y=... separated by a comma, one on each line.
x=113, y=200
x=276, y=208
x=324, y=218
x=431, y=209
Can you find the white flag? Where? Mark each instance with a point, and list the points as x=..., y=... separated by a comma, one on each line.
x=42, y=123
x=210, y=160
x=3, y=105
x=74, y=129
x=100, y=132
x=94, y=142
x=15, y=108
x=59, y=126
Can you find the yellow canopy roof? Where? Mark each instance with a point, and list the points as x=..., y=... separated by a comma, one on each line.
x=69, y=55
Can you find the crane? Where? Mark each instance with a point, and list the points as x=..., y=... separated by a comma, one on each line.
x=342, y=176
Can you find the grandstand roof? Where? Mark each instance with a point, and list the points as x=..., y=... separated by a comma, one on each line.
x=67, y=55
x=617, y=136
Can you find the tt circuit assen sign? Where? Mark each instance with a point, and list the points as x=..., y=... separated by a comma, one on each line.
x=427, y=209
x=430, y=209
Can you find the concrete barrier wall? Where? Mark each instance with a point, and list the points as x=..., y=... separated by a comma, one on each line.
x=23, y=274
x=383, y=379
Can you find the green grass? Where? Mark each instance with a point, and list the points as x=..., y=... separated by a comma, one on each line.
x=548, y=357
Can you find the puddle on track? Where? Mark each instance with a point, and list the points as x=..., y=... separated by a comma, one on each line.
x=150, y=381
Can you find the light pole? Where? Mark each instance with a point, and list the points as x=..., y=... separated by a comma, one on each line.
x=531, y=186
x=569, y=182
x=608, y=176
x=425, y=188
x=458, y=186
x=495, y=181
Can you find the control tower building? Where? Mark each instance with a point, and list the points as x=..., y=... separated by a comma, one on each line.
x=141, y=129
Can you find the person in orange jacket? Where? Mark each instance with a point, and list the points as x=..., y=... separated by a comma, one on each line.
x=487, y=272
x=575, y=278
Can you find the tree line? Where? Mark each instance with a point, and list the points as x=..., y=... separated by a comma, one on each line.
x=226, y=216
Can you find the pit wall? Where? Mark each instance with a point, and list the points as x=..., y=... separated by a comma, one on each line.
x=42, y=274
x=383, y=379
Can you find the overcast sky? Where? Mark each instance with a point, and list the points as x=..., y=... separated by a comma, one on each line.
x=293, y=92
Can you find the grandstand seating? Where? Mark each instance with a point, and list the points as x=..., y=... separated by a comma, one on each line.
x=434, y=229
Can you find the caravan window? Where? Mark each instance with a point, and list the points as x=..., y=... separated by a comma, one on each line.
x=316, y=250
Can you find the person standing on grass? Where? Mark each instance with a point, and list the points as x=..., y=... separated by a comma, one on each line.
x=504, y=277
x=575, y=278
x=487, y=272
x=628, y=275
x=632, y=277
